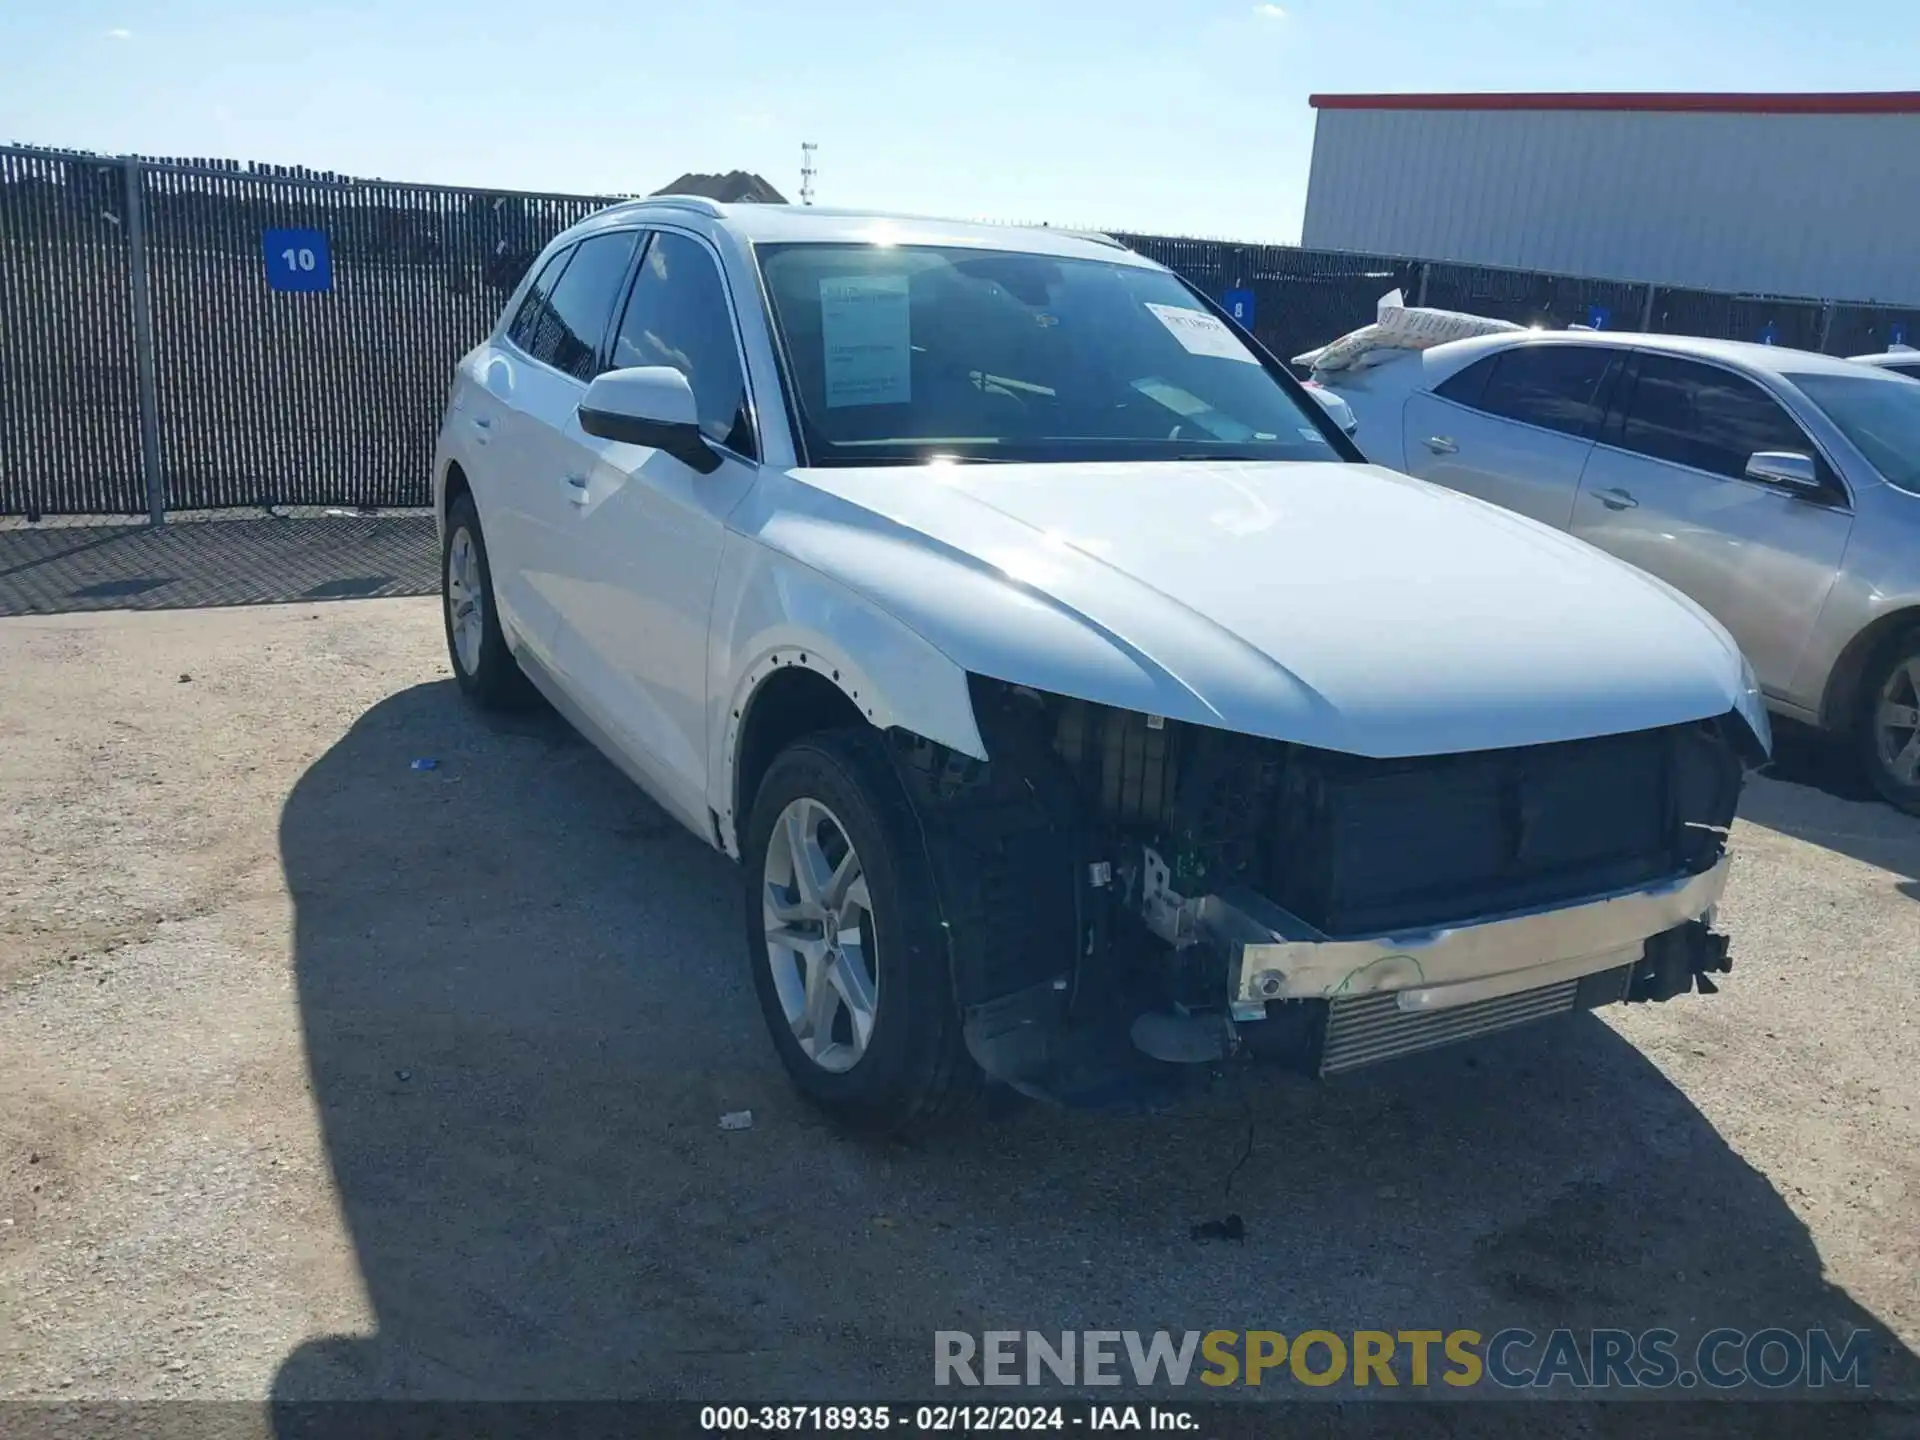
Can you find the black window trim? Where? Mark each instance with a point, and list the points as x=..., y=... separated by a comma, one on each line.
x=1603, y=391
x=1833, y=495
x=613, y=319
x=565, y=256
x=510, y=312
x=651, y=228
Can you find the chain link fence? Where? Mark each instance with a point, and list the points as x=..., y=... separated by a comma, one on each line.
x=193, y=335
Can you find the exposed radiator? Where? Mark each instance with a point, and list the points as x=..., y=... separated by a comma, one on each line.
x=1366, y=1029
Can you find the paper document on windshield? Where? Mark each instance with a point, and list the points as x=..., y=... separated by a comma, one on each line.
x=1200, y=333
x=864, y=332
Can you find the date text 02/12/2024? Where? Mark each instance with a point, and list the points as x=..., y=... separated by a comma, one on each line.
x=944, y=1419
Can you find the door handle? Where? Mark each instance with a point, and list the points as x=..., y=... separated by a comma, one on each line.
x=1442, y=445
x=577, y=489
x=483, y=428
x=1617, y=499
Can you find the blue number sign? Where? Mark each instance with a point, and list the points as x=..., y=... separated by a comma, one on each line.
x=1598, y=316
x=1239, y=305
x=1897, y=334
x=297, y=259
x=1770, y=335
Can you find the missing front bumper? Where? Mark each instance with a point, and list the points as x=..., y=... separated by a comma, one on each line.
x=1362, y=1030
x=1274, y=957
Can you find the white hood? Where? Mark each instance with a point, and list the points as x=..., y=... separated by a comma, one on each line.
x=1341, y=606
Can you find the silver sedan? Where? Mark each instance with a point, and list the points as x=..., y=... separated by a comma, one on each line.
x=1779, y=489
x=1901, y=360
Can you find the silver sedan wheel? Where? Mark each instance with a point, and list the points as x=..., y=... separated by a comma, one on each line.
x=466, y=600
x=1896, y=726
x=820, y=938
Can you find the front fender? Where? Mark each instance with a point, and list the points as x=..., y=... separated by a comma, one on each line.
x=771, y=611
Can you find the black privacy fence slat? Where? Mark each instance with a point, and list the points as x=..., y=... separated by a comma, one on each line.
x=69, y=426
x=320, y=382
x=328, y=396
x=264, y=396
x=1529, y=298
x=1301, y=298
x=1797, y=323
x=1868, y=329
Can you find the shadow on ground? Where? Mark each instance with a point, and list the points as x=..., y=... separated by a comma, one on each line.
x=52, y=570
x=1803, y=755
x=526, y=1007
x=1814, y=791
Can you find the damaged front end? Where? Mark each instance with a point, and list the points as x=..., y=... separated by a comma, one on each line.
x=1123, y=894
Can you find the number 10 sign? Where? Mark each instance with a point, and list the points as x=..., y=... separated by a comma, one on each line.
x=297, y=259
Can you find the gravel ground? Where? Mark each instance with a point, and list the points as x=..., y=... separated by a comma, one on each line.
x=325, y=1077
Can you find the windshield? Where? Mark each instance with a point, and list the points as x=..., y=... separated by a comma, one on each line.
x=1880, y=417
x=904, y=353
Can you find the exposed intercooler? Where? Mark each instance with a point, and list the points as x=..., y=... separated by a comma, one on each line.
x=1367, y=1029
x=1126, y=868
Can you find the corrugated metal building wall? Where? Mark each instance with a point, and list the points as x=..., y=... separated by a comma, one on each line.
x=1811, y=195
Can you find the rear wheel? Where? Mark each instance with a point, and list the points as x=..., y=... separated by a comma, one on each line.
x=1889, y=722
x=843, y=931
x=482, y=663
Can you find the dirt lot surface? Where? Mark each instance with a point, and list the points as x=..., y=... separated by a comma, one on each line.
x=324, y=1076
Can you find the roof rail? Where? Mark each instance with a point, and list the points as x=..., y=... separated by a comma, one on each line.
x=1098, y=237
x=699, y=204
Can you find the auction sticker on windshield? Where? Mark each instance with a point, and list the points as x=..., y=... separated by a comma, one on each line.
x=1199, y=333
x=864, y=330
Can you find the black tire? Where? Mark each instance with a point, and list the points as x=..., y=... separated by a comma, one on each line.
x=495, y=681
x=1899, y=657
x=915, y=1075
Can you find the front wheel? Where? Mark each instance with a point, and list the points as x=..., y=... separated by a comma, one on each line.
x=482, y=663
x=1889, y=736
x=844, y=936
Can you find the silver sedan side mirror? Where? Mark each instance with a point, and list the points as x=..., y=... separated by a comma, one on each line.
x=1784, y=467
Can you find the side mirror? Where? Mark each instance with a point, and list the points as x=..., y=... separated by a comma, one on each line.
x=649, y=405
x=1784, y=467
x=1335, y=406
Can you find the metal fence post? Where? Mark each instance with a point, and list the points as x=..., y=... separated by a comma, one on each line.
x=1426, y=274
x=1646, y=313
x=146, y=385
x=1826, y=325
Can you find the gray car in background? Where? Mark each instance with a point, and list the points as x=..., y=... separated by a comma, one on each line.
x=1778, y=489
x=1901, y=360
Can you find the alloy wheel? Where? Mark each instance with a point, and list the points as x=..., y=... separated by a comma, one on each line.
x=466, y=600
x=820, y=935
x=1896, y=723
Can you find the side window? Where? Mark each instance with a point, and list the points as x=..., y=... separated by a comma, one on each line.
x=582, y=304
x=1912, y=371
x=1556, y=387
x=533, y=306
x=1465, y=387
x=1703, y=416
x=677, y=315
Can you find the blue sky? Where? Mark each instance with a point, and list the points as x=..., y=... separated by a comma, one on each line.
x=1186, y=116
